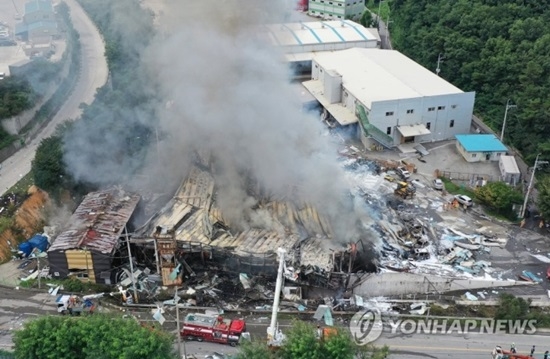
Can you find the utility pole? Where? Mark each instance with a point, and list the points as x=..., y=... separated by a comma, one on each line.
x=87, y=267
x=157, y=256
x=176, y=302
x=379, y=8
x=38, y=269
x=131, y=265
x=388, y=23
x=508, y=106
x=439, y=61
x=537, y=162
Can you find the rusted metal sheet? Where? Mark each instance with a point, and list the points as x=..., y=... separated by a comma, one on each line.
x=98, y=222
x=166, y=281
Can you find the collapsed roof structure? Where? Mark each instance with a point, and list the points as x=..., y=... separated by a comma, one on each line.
x=89, y=243
x=193, y=221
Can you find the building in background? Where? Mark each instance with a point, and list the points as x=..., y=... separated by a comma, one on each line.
x=39, y=23
x=509, y=170
x=480, y=147
x=388, y=97
x=88, y=248
x=336, y=9
x=301, y=41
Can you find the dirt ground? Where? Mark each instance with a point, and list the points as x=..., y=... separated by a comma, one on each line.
x=29, y=218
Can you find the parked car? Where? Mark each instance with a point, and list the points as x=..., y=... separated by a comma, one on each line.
x=402, y=171
x=389, y=178
x=438, y=184
x=463, y=199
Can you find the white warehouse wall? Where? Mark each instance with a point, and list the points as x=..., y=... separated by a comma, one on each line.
x=457, y=107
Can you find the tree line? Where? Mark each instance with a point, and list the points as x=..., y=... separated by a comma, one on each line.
x=497, y=48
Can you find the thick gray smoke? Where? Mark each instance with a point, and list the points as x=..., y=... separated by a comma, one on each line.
x=229, y=94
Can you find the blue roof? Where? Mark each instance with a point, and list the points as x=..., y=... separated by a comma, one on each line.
x=38, y=5
x=481, y=143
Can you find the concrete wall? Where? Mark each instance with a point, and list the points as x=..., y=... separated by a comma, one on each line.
x=445, y=115
x=396, y=284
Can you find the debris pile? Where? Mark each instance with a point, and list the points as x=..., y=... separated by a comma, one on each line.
x=194, y=223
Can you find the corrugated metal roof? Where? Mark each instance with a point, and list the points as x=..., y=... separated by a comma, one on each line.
x=98, y=222
x=197, y=189
x=481, y=143
x=318, y=33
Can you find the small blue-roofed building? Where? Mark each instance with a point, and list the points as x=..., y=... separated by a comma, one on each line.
x=480, y=147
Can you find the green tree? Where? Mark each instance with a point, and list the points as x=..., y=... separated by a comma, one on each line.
x=512, y=308
x=543, y=200
x=90, y=337
x=499, y=197
x=302, y=343
x=47, y=166
x=254, y=350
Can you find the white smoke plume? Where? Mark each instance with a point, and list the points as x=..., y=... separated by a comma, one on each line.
x=225, y=90
x=229, y=93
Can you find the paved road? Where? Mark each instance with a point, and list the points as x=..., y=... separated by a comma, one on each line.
x=17, y=306
x=94, y=72
x=452, y=346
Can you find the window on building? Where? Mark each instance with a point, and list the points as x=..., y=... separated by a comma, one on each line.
x=441, y=108
x=410, y=111
x=428, y=125
x=339, y=17
x=453, y=106
x=498, y=154
x=474, y=155
x=430, y=109
x=389, y=113
x=316, y=66
x=452, y=123
x=330, y=3
x=388, y=131
x=340, y=4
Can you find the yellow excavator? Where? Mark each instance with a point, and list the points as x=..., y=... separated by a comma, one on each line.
x=405, y=190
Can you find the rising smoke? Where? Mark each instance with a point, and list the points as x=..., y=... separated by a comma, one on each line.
x=230, y=94
x=226, y=91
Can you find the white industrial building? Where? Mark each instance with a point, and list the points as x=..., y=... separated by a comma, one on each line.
x=336, y=9
x=389, y=97
x=301, y=41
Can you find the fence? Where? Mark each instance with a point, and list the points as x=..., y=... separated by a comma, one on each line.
x=471, y=178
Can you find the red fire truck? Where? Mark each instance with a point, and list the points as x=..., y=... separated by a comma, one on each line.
x=212, y=328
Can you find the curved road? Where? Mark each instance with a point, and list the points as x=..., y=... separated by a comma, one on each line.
x=93, y=74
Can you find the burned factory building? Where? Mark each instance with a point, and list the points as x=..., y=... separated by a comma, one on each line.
x=192, y=232
x=88, y=247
